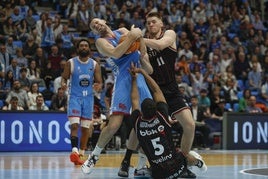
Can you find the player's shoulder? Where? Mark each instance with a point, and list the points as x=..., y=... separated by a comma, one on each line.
x=170, y=32
x=123, y=30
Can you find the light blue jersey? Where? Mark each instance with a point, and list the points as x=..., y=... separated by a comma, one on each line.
x=81, y=96
x=121, y=100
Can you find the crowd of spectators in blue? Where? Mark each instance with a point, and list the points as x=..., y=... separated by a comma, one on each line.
x=222, y=48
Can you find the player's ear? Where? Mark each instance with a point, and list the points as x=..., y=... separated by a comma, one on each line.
x=162, y=24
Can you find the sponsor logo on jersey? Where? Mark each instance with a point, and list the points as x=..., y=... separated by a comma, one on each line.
x=148, y=132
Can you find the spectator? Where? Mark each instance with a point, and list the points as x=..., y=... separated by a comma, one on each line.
x=184, y=94
x=40, y=105
x=225, y=62
x=9, y=28
x=83, y=18
x=217, y=117
x=199, y=115
x=197, y=65
x=109, y=16
x=257, y=22
x=198, y=82
x=224, y=44
x=3, y=91
x=23, y=8
x=123, y=11
x=22, y=31
x=8, y=81
x=21, y=94
x=121, y=21
x=230, y=91
x=33, y=73
x=2, y=72
x=199, y=13
x=67, y=41
x=215, y=97
x=47, y=75
x=174, y=18
x=186, y=51
x=57, y=85
x=37, y=39
x=55, y=58
x=29, y=48
x=5, y=57
x=183, y=64
x=14, y=68
x=99, y=122
x=40, y=58
x=113, y=6
x=57, y=26
x=41, y=24
x=187, y=87
x=264, y=46
x=13, y=105
x=137, y=20
x=187, y=17
x=264, y=90
x=254, y=78
x=251, y=105
x=59, y=101
x=243, y=101
x=11, y=49
x=216, y=64
x=22, y=61
x=24, y=81
x=31, y=22
x=47, y=36
x=16, y=16
x=72, y=11
x=228, y=74
x=33, y=93
x=203, y=99
x=7, y=10
x=62, y=7
x=108, y=88
x=203, y=53
x=256, y=57
x=241, y=67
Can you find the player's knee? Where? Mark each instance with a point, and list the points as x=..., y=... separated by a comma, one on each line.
x=113, y=127
x=86, y=124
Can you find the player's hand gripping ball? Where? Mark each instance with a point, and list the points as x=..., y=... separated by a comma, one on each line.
x=134, y=46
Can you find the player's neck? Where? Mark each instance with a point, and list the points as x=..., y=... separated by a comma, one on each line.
x=108, y=34
x=83, y=59
x=156, y=35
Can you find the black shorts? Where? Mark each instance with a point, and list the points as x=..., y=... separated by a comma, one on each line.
x=171, y=168
x=176, y=103
x=175, y=100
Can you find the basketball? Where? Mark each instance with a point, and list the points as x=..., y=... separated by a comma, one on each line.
x=134, y=47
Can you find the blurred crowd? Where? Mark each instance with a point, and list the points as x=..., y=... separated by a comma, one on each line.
x=222, y=50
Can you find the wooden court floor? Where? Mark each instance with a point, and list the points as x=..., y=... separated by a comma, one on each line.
x=222, y=164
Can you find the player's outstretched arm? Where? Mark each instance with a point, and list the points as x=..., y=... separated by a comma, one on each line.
x=144, y=60
x=156, y=91
x=134, y=90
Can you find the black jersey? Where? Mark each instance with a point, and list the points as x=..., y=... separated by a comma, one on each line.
x=163, y=63
x=155, y=138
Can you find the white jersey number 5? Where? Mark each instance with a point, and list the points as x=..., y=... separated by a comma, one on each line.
x=159, y=149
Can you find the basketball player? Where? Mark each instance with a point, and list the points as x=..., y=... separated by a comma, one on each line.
x=153, y=129
x=162, y=51
x=108, y=45
x=84, y=74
